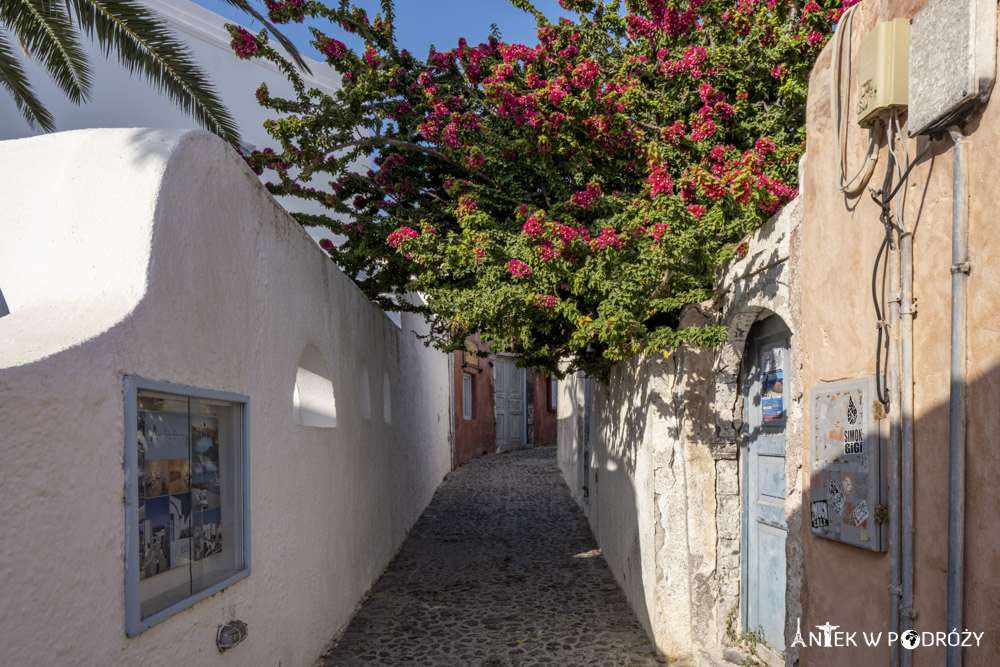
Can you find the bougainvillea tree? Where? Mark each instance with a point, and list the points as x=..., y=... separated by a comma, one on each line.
x=564, y=199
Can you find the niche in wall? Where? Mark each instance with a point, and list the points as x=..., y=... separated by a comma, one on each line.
x=366, y=395
x=313, y=400
x=386, y=399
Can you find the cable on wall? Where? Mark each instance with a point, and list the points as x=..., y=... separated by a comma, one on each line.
x=838, y=110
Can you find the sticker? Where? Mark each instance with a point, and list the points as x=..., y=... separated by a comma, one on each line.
x=847, y=484
x=860, y=513
x=852, y=411
x=819, y=514
x=854, y=441
x=835, y=498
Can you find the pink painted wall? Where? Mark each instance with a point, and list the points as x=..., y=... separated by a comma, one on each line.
x=477, y=436
x=845, y=585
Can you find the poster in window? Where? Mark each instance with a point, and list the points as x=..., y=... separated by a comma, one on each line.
x=772, y=386
x=166, y=435
x=157, y=535
x=180, y=475
x=157, y=477
x=180, y=529
x=205, y=439
x=205, y=490
x=207, y=533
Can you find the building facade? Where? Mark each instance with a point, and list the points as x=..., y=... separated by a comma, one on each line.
x=762, y=496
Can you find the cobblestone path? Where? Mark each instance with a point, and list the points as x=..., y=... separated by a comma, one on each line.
x=500, y=570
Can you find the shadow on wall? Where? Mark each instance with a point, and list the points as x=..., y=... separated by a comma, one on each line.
x=635, y=433
x=4, y=310
x=832, y=567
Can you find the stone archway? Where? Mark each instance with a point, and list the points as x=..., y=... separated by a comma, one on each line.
x=756, y=286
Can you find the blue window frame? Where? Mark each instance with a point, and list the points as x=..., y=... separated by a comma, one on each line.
x=187, y=489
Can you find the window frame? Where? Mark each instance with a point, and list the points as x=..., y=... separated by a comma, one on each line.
x=134, y=623
x=467, y=402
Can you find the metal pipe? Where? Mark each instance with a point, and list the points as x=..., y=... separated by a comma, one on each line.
x=907, y=308
x=959, y=386
x=892, y=331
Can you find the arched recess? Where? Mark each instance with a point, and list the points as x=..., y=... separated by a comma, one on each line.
x=313, y=400
x=752, y=289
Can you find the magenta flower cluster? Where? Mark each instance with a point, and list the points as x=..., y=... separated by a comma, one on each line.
x=332, y=49
x=284, y=11
x=586, y=198
x=518, y=269
x=544, y=301
x=398, y=237
x=244, y=44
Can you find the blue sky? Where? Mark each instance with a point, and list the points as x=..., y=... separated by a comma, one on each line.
x=420, y=23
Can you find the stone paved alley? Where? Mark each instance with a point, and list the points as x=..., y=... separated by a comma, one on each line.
x=500, y=570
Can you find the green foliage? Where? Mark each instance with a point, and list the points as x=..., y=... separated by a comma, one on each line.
x=565, y=200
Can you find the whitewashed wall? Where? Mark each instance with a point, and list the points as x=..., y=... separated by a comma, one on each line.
x=158, y=253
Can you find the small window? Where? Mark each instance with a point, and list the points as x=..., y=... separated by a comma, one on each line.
x=553, y=393
x=466, y=396
x=186, y=489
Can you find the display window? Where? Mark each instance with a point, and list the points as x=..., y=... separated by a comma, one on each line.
x=187, y=524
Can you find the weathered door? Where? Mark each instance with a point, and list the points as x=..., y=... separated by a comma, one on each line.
x=765, y=407
x=508, y=404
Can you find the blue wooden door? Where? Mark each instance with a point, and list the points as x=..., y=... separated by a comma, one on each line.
x=765, y=415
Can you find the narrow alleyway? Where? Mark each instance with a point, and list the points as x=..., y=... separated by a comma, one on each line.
x=500, y=570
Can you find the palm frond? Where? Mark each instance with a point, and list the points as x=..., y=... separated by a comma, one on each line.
x=47, y=34
x=245, y=6
x=15, y=81
x=144, y=44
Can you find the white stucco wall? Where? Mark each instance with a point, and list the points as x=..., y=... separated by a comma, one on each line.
x=158, y=253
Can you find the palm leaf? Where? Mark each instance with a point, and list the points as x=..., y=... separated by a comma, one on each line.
x=15, y=81
x=47, y=34
x=144, y=44
x=245, y=6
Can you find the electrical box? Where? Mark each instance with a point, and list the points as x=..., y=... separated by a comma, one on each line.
x=883, y=70
x=952, y=61
x=849, y=490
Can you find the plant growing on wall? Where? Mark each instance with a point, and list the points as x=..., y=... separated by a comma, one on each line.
x=50, y=32
x=564, y=199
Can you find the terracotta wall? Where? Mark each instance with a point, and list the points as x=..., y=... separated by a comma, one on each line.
x=847, y=586
x=474, y=437
x=543, y=432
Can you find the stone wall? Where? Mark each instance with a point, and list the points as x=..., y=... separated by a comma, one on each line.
x=663, y=437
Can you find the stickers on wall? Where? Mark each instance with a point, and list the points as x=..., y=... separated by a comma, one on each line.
x=772, y=384
x=820, y=519
x=835, y=498
x=861, y=513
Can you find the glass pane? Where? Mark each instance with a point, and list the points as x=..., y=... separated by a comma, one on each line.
x=164, y=499
x=190, y=495
x=217, y=479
